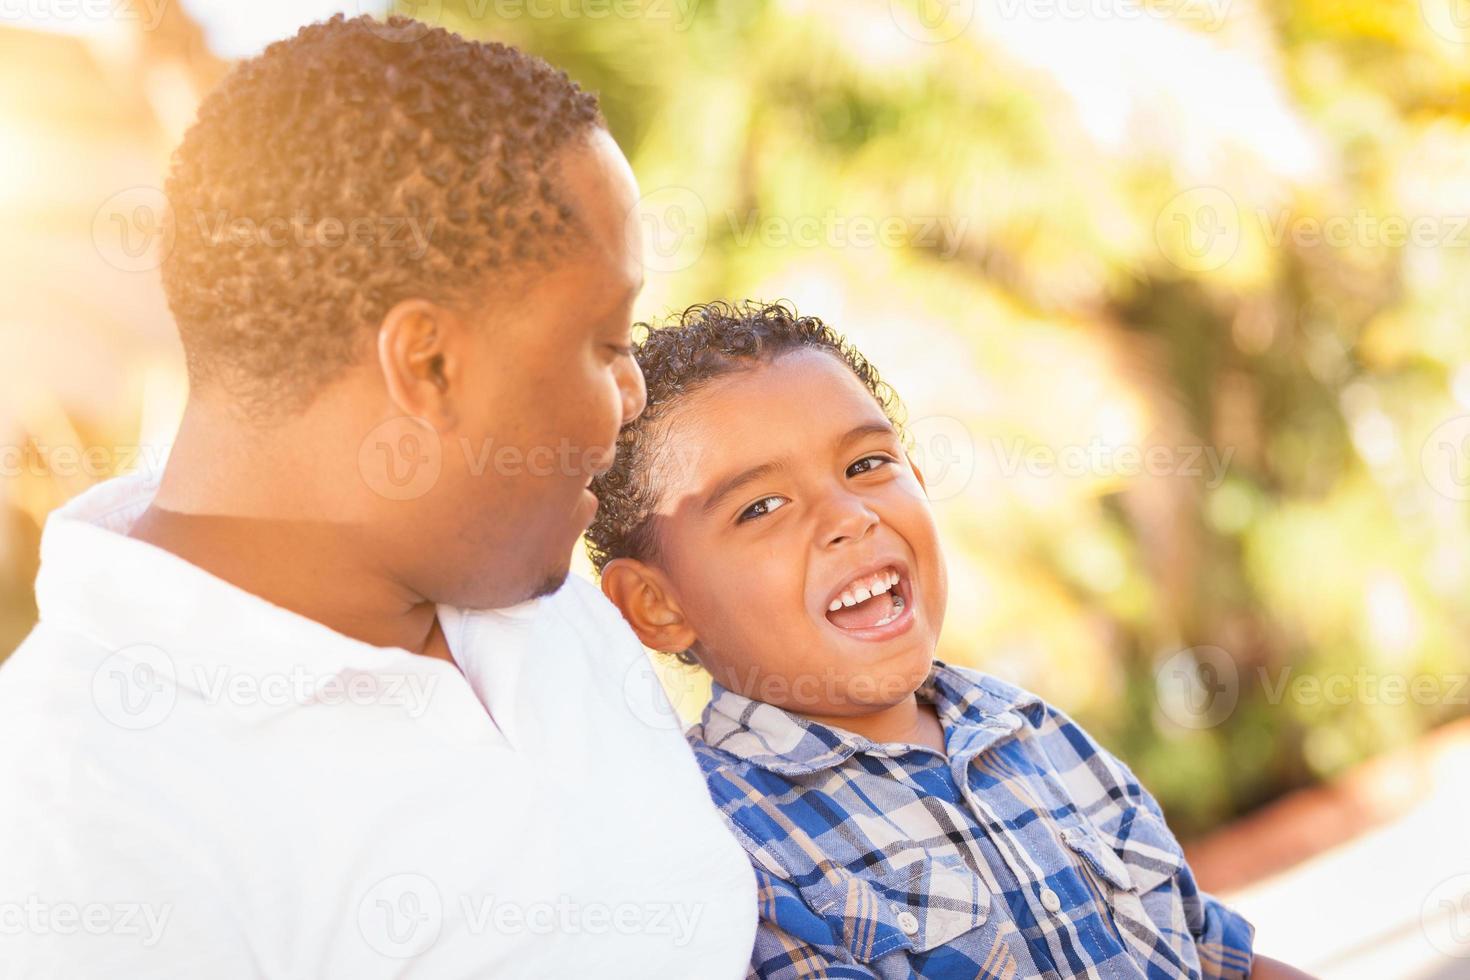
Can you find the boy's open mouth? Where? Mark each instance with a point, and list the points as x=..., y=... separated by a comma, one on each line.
x=870, y=600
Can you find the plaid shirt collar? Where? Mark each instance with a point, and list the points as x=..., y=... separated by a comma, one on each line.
x=781, y=742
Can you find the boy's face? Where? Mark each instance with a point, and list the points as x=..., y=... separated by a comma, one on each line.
x=788, y=491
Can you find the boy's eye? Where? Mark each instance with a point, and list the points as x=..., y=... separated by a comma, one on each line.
x=621, y=350
x=760, y=508
x=867, y=465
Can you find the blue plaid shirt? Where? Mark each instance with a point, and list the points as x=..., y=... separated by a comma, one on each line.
x=1027, y=851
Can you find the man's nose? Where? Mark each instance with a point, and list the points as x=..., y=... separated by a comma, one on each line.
x=634, y=389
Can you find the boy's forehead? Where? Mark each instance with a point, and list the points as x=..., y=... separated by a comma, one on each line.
x=800, y=404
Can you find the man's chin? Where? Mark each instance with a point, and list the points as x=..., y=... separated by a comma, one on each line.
x=551, y=583
x=503, y=595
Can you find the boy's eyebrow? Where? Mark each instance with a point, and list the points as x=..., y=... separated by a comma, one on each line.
x=884, y=428
x=730, y=484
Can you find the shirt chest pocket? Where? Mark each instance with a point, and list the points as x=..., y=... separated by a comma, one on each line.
x=1135, y=853
x=913, y=909
x=1133, y=862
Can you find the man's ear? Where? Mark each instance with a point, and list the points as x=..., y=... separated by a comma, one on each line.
x=419, y=352
x=641, y=592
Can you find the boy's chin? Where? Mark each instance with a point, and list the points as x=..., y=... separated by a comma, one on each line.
x=837, y=684
x=886, y=682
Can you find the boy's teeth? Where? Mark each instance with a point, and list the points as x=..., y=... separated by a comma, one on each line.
x=876, y=585
x=893, y=613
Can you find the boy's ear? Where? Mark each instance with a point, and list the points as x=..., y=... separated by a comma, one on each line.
x=642, y=595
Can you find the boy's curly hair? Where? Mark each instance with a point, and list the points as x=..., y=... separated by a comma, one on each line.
x=290, y=194
x=681, y=356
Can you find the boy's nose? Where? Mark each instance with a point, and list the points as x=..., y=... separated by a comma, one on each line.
x=849, y=519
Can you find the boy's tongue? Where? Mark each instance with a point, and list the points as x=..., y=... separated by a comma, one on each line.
x=865, y=614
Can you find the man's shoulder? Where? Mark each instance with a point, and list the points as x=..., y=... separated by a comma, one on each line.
x=48, y=666
x=582, y=603
x=580, y=594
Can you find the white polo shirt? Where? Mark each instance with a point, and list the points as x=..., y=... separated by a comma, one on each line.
x=197, y=783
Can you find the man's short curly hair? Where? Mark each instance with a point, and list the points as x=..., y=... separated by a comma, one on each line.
x=681, y=356
x=349, y=168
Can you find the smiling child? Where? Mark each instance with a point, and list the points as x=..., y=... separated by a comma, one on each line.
x=905, y=817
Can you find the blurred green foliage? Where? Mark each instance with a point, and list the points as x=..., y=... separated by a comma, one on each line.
x=1176, y=231
x=1085, y=302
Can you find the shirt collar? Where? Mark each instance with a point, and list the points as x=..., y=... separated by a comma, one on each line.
x=975, y=714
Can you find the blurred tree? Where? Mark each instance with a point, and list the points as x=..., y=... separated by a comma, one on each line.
x=1173, y=293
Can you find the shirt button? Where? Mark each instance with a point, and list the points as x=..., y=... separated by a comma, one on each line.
x=908, y=922
x=1050, y=901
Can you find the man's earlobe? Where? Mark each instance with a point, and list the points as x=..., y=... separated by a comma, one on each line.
x=416, y=354
x=642, y=595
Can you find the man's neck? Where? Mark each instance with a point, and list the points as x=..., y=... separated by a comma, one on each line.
x=308, y=568
x=253, y=506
